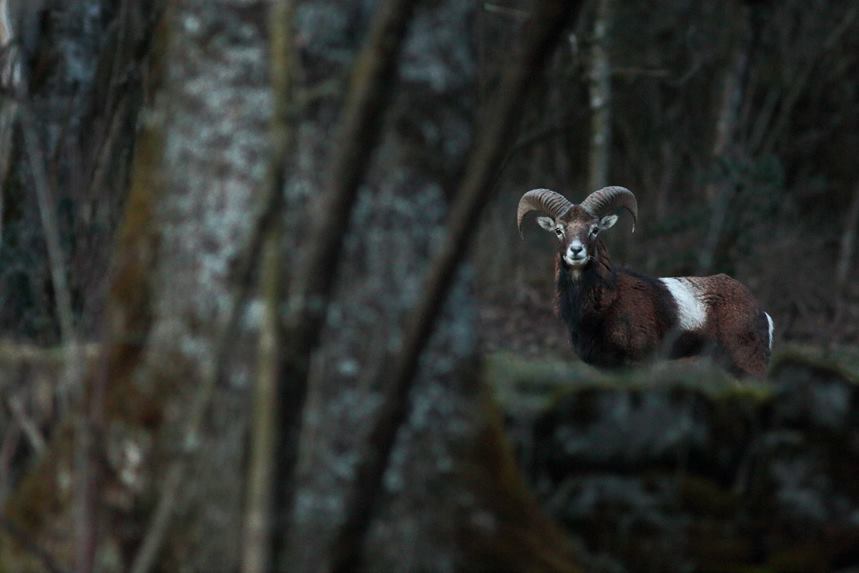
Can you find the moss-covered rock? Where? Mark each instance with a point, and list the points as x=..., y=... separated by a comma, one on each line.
x=678, y=467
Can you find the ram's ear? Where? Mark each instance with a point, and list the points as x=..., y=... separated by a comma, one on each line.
x=607, y=222
x=547, y=223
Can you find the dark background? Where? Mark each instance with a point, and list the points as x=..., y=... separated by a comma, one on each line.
x=222, y=222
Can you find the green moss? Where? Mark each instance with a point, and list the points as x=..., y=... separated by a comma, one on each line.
x=842, y=362
x=704, y=497
x=522, y=538
x=539, y=384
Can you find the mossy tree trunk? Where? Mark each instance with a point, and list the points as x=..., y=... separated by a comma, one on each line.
x=452, y=497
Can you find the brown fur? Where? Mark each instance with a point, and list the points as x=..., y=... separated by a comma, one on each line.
x=618, y=317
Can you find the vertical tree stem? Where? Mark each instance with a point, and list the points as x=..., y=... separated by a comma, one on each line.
x=259, y=498
x=600, y=97
x=369, y=92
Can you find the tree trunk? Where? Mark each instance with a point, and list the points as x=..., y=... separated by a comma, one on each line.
x=844, y=264
x=600, y=96
x=720, y=188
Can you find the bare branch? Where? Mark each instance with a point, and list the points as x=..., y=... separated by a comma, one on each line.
x=29, y=427
x=256, y=557
x=63, y=298
x=369, y=92
x=261, y=547
x=505, y=11
x=74, y=367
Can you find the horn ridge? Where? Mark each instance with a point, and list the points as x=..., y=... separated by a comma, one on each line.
x=544, y=201
x=609, y=199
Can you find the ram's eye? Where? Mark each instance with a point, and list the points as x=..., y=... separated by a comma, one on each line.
x=594, y=231
x=559, y=231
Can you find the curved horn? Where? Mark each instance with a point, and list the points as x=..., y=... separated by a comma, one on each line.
x=609, y=199
x=544, y=201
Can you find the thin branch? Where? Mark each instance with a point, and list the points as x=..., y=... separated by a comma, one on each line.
x=28, y=426
x=802, y=81
x=505, y=11
x=73, y=373
x=548, y=22
x=56, y=259
x=554, y=128
x=648, y=72
x=261, y=547
x=256, y=555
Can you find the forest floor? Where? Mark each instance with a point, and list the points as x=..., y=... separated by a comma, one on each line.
x=523, y=322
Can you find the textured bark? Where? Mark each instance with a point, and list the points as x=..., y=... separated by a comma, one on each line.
x=720, y=190
x=600, y=97
x=197, y=176
x=213, y=116
x=76, y=66
x=359, y=131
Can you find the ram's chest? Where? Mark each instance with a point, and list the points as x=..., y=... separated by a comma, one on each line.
x=610, y=339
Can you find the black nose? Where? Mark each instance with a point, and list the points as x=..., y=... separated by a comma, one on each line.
x=575, y=250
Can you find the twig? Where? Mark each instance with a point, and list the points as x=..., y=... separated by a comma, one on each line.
x=505, y=11
x=549, y=19
x=369, y=92
x=256, y=550
x=261, y=547
x=157, y=529
x=74, y=368
x=648, y=72
x=37, y=441
x=552, y=129
x=800, y=83
x=63, y=299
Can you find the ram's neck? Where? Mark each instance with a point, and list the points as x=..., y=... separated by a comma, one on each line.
x=585, y=293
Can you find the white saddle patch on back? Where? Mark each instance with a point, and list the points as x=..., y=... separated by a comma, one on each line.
x=691, y=312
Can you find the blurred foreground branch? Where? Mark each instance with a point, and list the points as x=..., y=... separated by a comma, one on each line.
x=359, y=131
x=74, y=367
x=549, y=19
x=261, y=545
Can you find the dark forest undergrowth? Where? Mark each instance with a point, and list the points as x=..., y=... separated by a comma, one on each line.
x=679, y=467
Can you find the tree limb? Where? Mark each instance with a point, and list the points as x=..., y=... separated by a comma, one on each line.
x=359, y=131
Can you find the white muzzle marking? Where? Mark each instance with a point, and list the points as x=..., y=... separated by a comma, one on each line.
x=576, y=254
